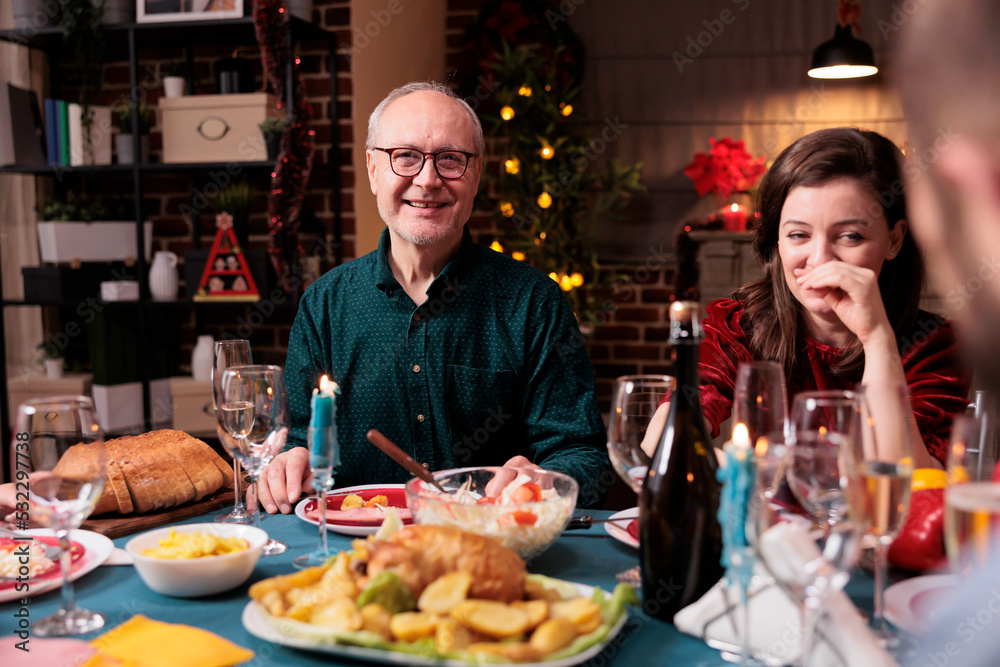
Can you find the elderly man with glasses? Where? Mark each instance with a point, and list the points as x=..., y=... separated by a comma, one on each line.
x=460, y=355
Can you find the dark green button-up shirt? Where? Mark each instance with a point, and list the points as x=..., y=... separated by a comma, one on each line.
x=492, y=365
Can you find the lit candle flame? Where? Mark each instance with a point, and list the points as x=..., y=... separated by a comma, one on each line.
x=734, y=208
x=741, y=436
x=761, y=448
x=326, y=385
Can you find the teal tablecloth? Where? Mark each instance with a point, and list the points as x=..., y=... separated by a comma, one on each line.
x=585, y=556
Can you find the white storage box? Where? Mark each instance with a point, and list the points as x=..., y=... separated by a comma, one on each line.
x=216, y=128
x=120, y=290
x=91, y=241
x=193, y=409
x=119, y=406
x=22, y=387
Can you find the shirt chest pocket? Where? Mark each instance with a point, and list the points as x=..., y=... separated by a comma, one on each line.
x=481, y=415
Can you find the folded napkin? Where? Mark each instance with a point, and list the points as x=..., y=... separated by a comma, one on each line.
x=143, y=642
x=842, y=639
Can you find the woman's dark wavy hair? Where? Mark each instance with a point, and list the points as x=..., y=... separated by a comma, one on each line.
x=773, y=318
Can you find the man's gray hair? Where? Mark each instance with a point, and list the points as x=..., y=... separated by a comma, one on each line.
x=375, y=121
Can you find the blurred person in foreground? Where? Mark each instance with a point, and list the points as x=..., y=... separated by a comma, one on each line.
x=949, y=78
x=458, y=354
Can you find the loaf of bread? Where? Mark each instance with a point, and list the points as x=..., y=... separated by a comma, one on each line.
x=155, y=470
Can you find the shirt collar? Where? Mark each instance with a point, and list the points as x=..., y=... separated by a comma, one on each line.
x=450, y=274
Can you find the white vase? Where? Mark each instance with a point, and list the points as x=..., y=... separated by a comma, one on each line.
x=301, y=9
x=124, y=148
x=173, y=86
x=203, y=358
x=163, y=276
x=54, y=368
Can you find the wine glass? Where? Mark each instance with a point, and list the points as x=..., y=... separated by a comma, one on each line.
x=638, y=415
x=972, y=498
x=232, y=352
x=882, y=455
x=822, y=429
x=58, y=458
x=253, y=410
x=759, y=399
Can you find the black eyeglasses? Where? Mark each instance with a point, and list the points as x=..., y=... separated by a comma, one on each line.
x=449, y=164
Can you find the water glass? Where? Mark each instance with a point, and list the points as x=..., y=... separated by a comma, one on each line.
x=59, y=463
x=972, y=499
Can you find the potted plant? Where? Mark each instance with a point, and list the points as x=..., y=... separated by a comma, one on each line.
x=88, y=229
x=273, y=129
x=235, y=199
x=124, y=143
x=83, y=46
x=174, y=83
x=51, y=359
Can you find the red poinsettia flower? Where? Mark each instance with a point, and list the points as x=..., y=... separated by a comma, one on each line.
x=509, y=21
x=725, y=169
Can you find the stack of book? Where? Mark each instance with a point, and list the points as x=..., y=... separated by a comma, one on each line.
x=65, y=134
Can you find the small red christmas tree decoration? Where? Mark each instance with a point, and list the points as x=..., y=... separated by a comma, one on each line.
x=229, y=279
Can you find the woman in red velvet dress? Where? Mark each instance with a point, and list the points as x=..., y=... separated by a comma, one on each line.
x=838, y=301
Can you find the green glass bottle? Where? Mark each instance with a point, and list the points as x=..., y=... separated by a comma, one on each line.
x=680, y=540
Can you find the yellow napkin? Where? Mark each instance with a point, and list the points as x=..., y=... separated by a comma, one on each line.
x=143, y=642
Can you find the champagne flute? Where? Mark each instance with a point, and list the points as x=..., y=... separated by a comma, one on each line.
x=759, y=405
x=638, y=415
x=253, y=410
x=821, y=431
x=231, y=352
x=882, y=454
x=58, y=442
x=972, y=499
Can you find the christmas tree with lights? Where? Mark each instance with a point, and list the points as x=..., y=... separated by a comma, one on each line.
x=553, y=186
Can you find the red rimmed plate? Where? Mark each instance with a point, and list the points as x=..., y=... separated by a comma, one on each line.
x=624, y=527
x=360, y=521
x=89, y=550
x=11, y=546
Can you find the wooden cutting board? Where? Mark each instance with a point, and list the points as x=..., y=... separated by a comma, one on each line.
x=114, y=526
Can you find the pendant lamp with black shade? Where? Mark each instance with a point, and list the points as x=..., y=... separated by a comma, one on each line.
x=845, y=56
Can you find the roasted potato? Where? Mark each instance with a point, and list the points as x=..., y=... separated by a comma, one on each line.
x=491, y=618
x=552, y=635
x=537, y=610
x=340, y=614
x=583, y=613
x=451, y=635
x=376, y=618
x=410, y=626
x=442, y=594
x=514, y=651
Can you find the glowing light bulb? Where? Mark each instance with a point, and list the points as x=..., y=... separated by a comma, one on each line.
x=545, y=200
x=507, y=113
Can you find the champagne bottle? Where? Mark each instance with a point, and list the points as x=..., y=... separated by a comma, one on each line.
x=680, y=540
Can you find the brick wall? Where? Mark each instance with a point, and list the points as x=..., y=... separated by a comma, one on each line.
x=631, y=341
x=265, y=323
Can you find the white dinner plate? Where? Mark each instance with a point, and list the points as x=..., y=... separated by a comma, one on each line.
x=257, y=624
x=351, y=528
x=912, y=604
x=617, y=527
x=97, y=548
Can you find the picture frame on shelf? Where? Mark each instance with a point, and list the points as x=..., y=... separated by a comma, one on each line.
x=162, y=11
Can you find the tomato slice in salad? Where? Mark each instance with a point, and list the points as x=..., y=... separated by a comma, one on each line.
x=519, y=518
x=529, y=492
